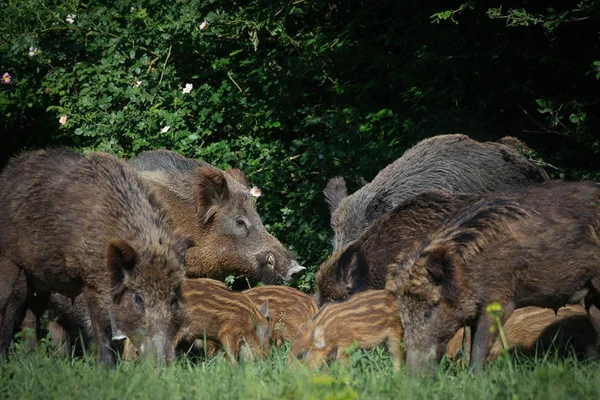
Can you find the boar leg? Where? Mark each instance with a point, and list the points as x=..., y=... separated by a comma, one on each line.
x=100, y=325
x=231, y=348
x=594, y=308
x=13, y=300
x=394, y=344
x=60, y=338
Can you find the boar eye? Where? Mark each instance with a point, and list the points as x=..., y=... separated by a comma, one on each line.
x=240, y=223
x=427, y=314
x=138, y=298
x=300, y=356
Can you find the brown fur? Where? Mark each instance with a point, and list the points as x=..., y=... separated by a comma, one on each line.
x=88, y=224
x=289, y=308
x=531, y=329
x=216, y=208
x=227, y=318
x=450, y=163
x=362, y=264
x=536, y=247
x=368, y=319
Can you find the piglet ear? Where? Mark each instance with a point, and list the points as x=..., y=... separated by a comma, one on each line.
x=319, y=338
x=120, y=259
x=181, y=243
x=264, y=309
x=210, y=191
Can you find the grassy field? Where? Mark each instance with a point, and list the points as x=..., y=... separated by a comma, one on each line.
x=43, y=375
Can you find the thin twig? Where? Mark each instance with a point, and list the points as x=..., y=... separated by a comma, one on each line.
x=234, y=82
x=162, y=73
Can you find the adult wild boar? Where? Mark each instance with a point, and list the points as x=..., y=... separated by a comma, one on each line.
x=450, y=163
x=217, y=209
x=88, y=224
x=362, y=264
x=537, y=247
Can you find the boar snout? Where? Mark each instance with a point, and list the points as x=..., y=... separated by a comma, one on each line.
x=159, y=348
x=421, y=360
x=296, y=270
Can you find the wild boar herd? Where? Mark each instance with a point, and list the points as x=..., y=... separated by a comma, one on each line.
x=132, y=253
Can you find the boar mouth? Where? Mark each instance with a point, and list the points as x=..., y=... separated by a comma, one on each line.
x=270, y=265
x=295, y=271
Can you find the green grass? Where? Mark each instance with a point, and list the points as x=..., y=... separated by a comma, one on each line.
x=43, y=375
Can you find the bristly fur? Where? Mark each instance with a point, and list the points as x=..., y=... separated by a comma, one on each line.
x=471, y=228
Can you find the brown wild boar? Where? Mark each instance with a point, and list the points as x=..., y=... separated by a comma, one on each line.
x=288, y=307
x=532, y=329
x=362, y=264
x=536, y=247
x=87, y=224
x=368, y=319
x=228, y=319
x=217, y=209
x=450, y=163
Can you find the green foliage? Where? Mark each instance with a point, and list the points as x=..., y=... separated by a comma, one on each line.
x=296, y=92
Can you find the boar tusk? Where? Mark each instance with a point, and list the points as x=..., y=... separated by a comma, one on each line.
x=271, y=261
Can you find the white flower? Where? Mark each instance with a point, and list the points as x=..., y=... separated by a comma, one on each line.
x=137, y=83
x=256, y=192
x=71, y=18
x=62, y=120
x=165, y=129
x=203, y=25
x=188, y=88
x=33, y=51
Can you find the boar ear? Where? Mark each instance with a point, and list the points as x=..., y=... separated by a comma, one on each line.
x=210, y=191
x=264, y=309
x=353, y=269
x=239, y=176
x=335, y=192
x=181, y=243
x=378, y=206
x=440, y=267
x=120, y=259
x=319, y=338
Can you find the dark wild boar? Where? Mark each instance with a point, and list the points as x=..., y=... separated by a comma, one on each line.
x=362, y=264
x=228, y=319
x=367, y=319
x=538, y=247
x=87, y=224
x=216, y=208
x=450, y=163
x=288, y=307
